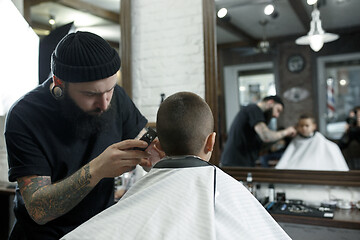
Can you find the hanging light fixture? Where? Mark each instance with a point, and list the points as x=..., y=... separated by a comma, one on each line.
x=270, y=10
x=222, y=13
x=52, y=20
x=311, y=2
x=264, y=44
x=316, y=37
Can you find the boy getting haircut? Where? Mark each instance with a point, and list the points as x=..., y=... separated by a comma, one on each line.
x=184, y=121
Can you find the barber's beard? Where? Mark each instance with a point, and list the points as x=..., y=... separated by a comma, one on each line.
x=84, y=124
x=268, y=114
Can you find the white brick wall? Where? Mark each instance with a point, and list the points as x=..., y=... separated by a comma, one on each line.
x=167, y=51
x=3, y=155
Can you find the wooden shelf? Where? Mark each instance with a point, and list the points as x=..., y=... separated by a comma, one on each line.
x=349, y=219
x=332, y=178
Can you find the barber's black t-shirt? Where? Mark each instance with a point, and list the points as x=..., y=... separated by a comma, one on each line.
x=243, y=144
x=40, y=141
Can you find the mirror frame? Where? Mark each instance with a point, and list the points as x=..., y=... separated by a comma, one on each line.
x=125, y=45
x=269, y=175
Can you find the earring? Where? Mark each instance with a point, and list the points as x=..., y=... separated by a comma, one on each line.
x=57, y=91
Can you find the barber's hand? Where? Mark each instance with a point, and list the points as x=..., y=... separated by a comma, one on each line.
x=119, y=158
x=156, y=154
x=290, y=131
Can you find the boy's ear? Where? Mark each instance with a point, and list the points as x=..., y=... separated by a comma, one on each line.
x=210, y=141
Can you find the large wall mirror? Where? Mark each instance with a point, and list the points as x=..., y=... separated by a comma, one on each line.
x=248, y=38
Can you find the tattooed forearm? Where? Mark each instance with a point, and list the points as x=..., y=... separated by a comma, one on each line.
x=84, y=179
x=268, y=135
x=45, y=201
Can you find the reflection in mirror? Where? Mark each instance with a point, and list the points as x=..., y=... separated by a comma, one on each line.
x=313, y=97
x=310, y=150
x=253, y=82
x=339, y=77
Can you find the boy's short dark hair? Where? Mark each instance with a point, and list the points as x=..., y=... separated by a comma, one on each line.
x=307, y=116
x=275, y=98
x=184, y=121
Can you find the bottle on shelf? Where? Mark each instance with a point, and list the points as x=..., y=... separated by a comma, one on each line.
x=249, y=183
x=271, y=193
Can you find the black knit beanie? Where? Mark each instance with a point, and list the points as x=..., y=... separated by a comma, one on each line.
x=84, y=57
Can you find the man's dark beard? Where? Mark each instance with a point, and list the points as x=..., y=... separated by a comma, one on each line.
x=84, y=124
x=268, y=115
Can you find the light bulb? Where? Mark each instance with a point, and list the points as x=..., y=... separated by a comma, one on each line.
x=269, y=9
x=222, y=12
x=316, y=42
x=51, y=20
x=311, y=2
x=343, y=82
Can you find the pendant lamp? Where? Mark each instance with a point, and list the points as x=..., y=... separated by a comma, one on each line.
x=316, y=37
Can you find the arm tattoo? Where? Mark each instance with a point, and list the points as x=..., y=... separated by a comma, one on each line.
x=266, y=134
x=45, y=201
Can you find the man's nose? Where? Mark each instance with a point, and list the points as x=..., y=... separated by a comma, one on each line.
x=103, y=101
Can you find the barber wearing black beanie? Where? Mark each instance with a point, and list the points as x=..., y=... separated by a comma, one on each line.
x=69, y=137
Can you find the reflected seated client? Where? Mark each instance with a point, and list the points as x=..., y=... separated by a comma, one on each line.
x=310, y=150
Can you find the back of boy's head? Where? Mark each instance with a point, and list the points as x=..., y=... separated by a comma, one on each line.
x=184, y=121
x=307, y=116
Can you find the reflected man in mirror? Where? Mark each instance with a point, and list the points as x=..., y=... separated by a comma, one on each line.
x=249, y=130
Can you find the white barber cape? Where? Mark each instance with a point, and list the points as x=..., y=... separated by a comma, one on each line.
x=313, y=153
x=183, y=198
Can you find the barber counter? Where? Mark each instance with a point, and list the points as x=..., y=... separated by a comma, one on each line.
x=306, y=222
x=7, y=192
x=344, y=224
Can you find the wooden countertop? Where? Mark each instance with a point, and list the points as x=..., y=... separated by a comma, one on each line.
x=343, y=218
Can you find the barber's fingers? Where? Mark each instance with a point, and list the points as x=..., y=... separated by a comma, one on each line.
x=128, y=162
x=145, y=163
x=155, y=145
x=130, y=143
x=155, y=154
x=131, y=154
x=125, y=149
x=291, y=131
